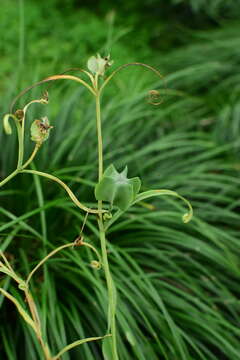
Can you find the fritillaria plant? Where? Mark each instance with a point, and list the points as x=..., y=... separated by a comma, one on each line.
x=115, y=194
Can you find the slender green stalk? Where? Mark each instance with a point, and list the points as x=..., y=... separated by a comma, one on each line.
x=9, y=177
x=21, y=34
x=33, y=321
x=111, y=290
x=126, y=66
x=19, y=167
x=99, y=134
x=36, y=319
x=48, y=79
x=109, y=280
x=37, y=146
x=72, y=244
x=66, y=188
x=46, y=258
x=77, y=343
x=20, y=144
x=39, y=101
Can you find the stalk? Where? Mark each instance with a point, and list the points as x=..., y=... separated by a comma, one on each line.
x=20, y=167
x=110, y=286
x=66, y=188
x=35, y=317
x=9, y=177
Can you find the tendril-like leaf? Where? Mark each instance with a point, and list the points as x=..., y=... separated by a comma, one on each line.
x=154, y=97
x=77, y=343
x=49, y=79
x=148, y=67
x=151, y=193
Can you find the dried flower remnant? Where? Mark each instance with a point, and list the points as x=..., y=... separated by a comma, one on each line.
x=19, y=114
x=40, y=130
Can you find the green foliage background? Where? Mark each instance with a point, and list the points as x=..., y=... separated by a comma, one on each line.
x=178, y=284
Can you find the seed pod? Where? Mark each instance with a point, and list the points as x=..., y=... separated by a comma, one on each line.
x=40, y=130
x=117, y=189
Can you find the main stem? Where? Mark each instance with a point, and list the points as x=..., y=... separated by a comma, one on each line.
x=109, y=280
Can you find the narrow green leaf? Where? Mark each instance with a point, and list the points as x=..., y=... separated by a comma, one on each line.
x=107, y=349
x=76, y=343
x=21, y=311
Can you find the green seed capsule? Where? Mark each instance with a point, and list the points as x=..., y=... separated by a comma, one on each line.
x=116, y=188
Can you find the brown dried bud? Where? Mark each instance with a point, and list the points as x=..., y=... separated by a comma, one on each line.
x=45, y=96
x=78, y=241
x=19, y=114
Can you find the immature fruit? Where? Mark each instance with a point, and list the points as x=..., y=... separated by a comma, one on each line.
x=116, y=188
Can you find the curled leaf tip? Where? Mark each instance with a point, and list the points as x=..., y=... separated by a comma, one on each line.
x=187, y=217
x=151, y=193
x=107, y=216
x=6, y=125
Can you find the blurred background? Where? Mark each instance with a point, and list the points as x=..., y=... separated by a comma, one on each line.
x=178, y=284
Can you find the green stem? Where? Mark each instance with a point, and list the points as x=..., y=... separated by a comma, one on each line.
x=66, y=188
x=109, y=280
x=51, y=78
x=99, y=135
x=77, y=343
x=46, y=258
x=41, y=101
x=9, y=177
x=35, y=317
x=111, y=290
x=20, y=168
x=155, y=71
x=20, y=144
x=37, y=146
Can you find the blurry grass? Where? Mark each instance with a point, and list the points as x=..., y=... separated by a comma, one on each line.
x=178, y=284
